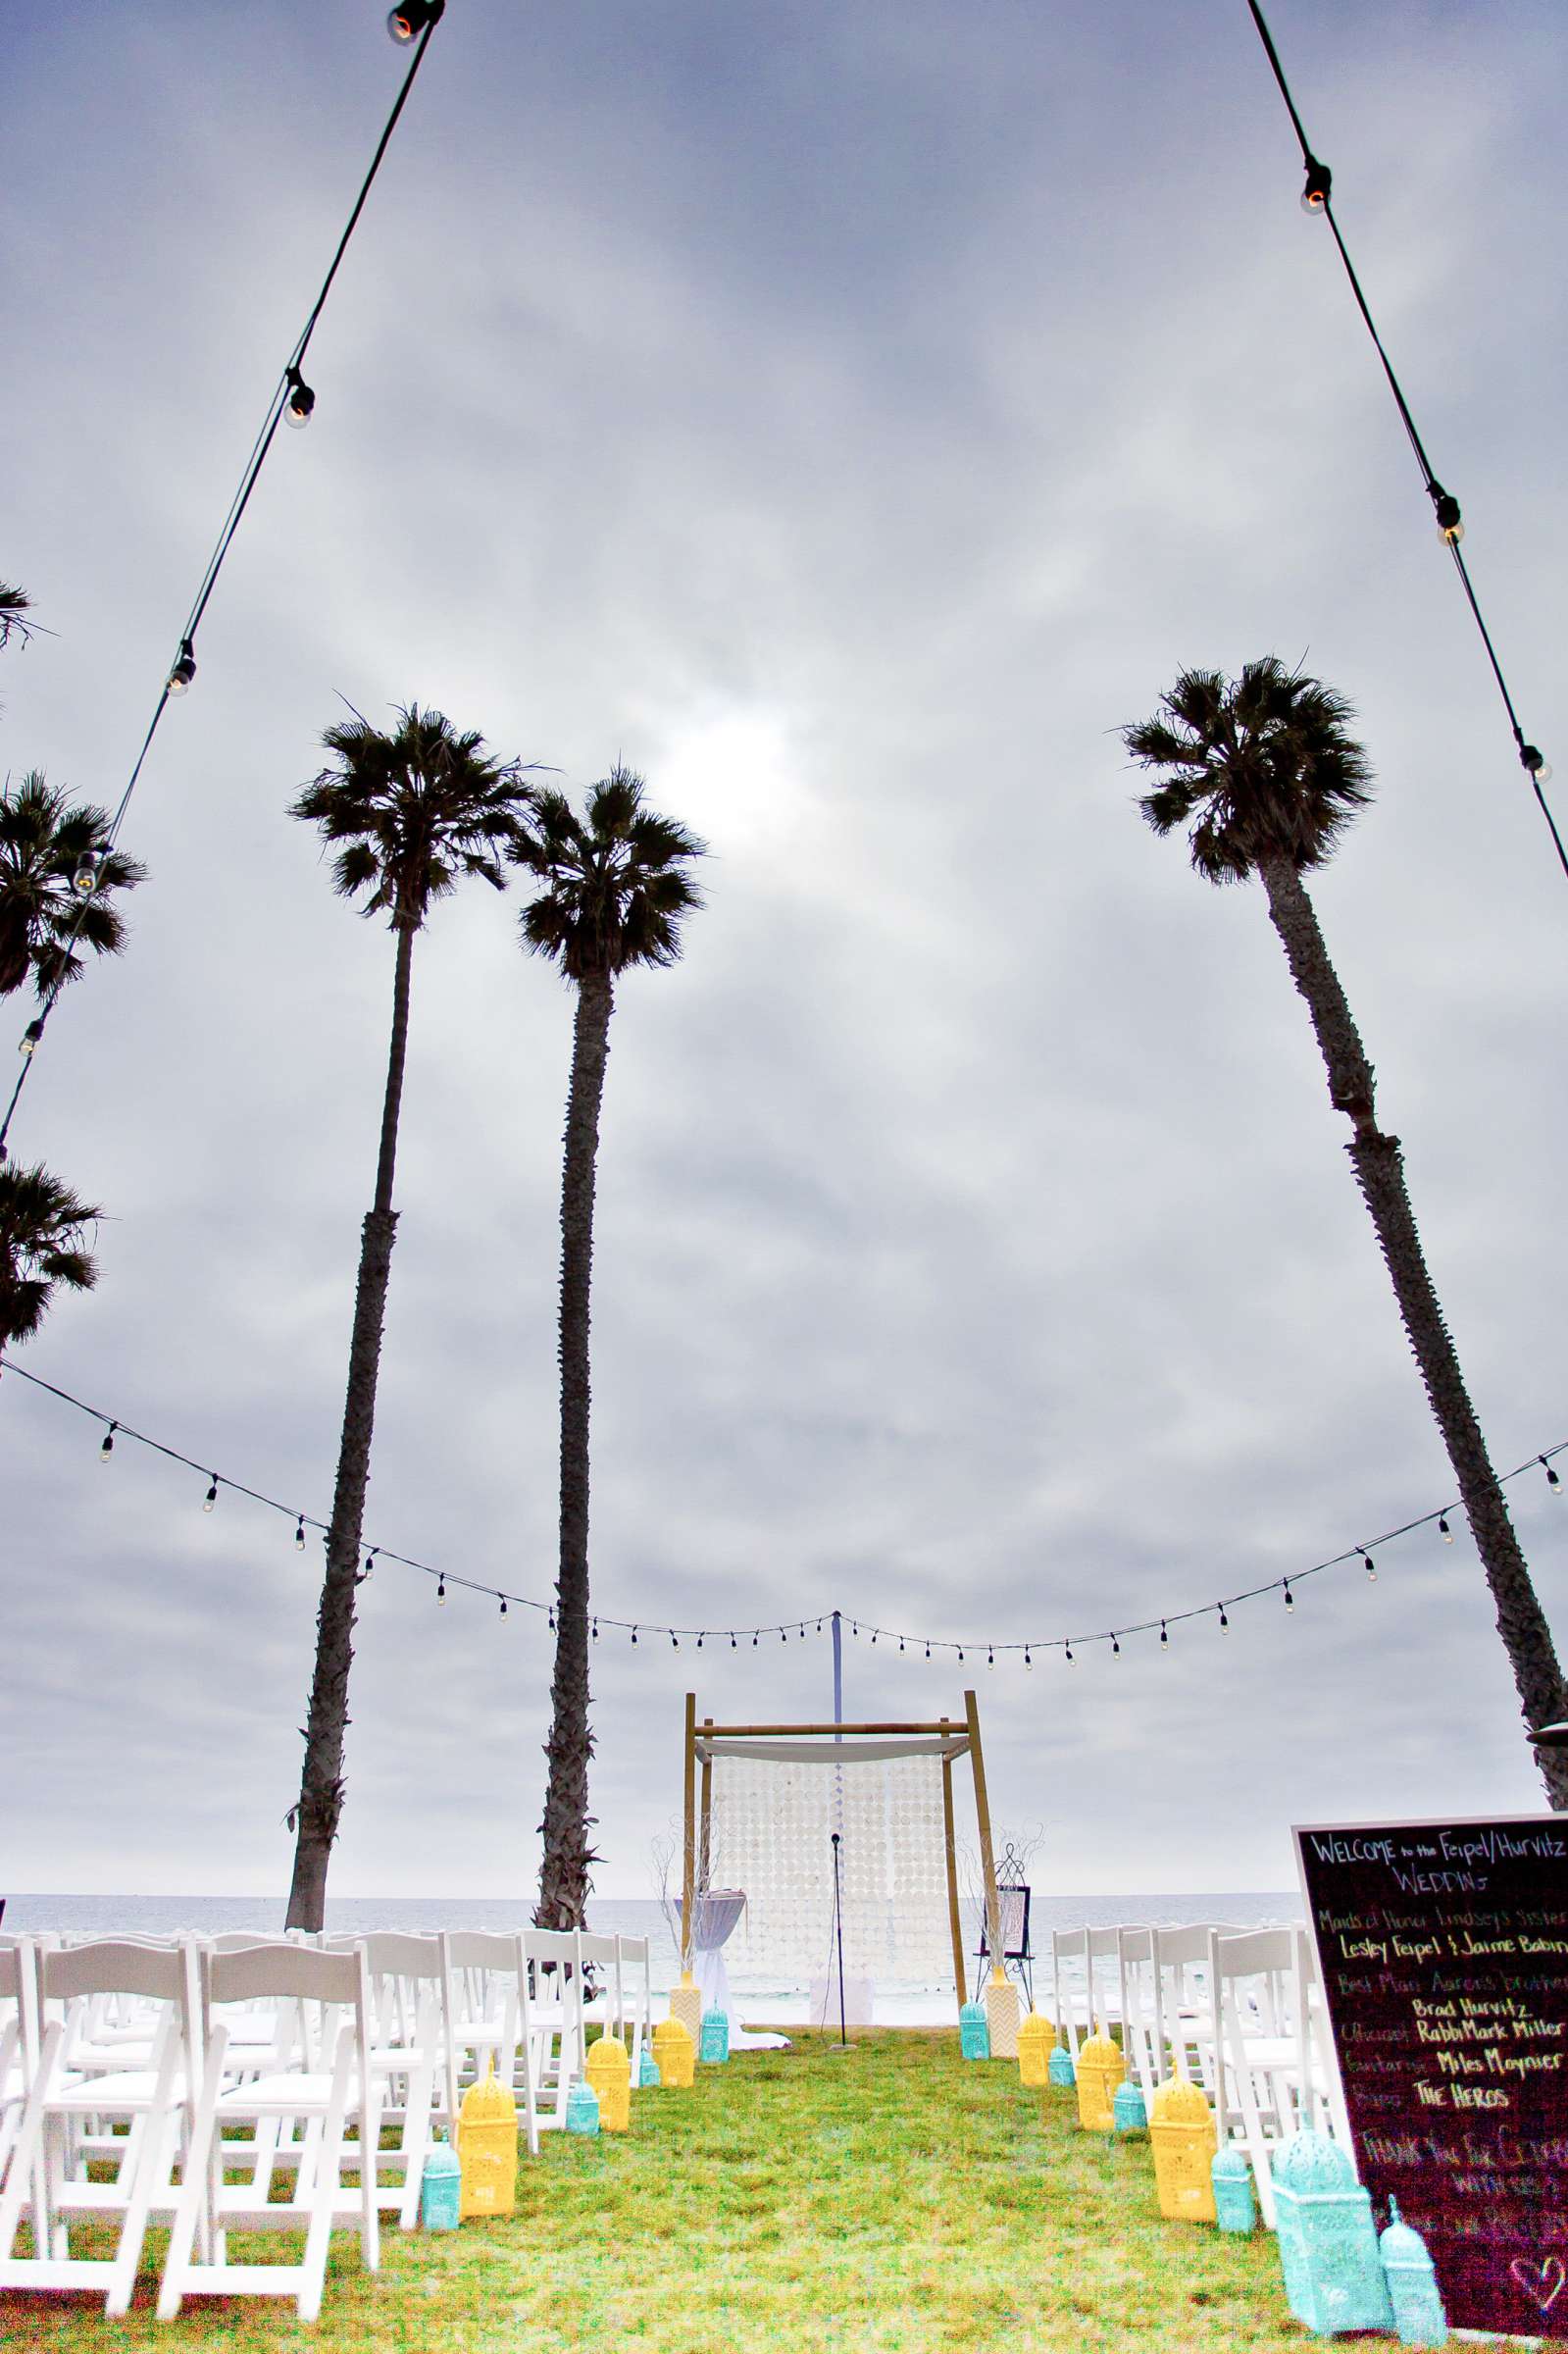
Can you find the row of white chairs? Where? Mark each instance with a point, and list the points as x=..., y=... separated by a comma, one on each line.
x=244, y=2084
x=1239, y=2012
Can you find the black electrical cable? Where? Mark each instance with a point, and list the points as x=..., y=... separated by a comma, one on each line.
x=1319, y=182
x=215, y=562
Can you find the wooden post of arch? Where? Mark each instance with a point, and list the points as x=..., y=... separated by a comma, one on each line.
x=988, y=1864
x=689, y=1870
x=705, y=1834
x=954, y=1919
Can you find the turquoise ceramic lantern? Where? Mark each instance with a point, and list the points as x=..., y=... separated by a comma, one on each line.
x=581, y=2108
x=1413, y=2290
x=974, y=2031
x=715, y=2043
x=440, y=2187
x=648, y=2069
x=1328, y=2243
x=1061, y=2071
x=1128, y=2113
x=1235, y=2207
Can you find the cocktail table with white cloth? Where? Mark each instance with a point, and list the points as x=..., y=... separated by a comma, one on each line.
x=714, y=1918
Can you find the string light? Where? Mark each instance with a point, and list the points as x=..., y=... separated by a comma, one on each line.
x=674, y=1640
x=441, y=1588
x=369, y=1569
x=503, y=1605
x=30, y=1036
x=292, y=397
x=84, y=882
x=1068, y=1650
x=1363, y=1553
x=634, y=1638
x=1316, y=198
x=407, y=23
x=990, y=1656
x=301, y=402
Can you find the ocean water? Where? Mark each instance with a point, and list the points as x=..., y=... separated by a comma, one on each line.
x=896, y=2003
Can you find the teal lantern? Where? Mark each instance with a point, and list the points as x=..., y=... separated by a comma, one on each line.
x=974, y=2031
x=581, y=2108
x=1413, y=2290
x=440, y=2187
x=1235, y=2207
x=1328, y=2243
x=1061, y=2071
x=715, y=2043
x=1128, y=2113
x=648, y=2069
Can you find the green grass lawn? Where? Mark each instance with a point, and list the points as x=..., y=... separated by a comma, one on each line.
x=896, y=2200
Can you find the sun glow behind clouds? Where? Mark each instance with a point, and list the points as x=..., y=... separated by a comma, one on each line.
x=738, y=780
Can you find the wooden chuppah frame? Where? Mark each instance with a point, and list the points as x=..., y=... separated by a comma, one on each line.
x=964, y=1736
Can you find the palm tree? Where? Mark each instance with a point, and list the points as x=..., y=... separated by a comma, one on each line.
x=45, y=918
x=1265, y=777
x=615, y=890
x=40, y=1245
x=414, y=812
x=15, y=604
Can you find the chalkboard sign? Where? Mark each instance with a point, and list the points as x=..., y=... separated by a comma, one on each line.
x=1443, y=1948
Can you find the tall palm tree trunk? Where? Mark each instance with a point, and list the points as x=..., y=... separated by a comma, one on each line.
x=321, y=1792
x=564, y=1872
x=1380, y=1175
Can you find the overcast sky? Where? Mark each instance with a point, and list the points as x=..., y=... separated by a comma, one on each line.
x=848, y=416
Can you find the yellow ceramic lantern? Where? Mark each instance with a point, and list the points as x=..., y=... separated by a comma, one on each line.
x=1001, y=2015
x=685, y=2005
x=1100, y=2068
x=1181, y=2127
x=486, y=2145
x=609, y=2072
x=1037, y=2040
x=675, y=2053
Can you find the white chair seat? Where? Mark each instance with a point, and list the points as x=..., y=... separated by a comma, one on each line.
x=133, y=2089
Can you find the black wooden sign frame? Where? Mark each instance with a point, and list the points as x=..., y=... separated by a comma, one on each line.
x=1443, y=1952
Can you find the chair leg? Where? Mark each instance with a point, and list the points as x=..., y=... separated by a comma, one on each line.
x=198, y=2188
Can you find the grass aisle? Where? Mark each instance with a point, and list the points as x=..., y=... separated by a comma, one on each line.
x=896, y=2201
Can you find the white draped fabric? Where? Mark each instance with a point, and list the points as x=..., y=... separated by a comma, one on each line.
x=774, y=1808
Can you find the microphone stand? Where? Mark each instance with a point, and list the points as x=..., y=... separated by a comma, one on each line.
x=842, y=2044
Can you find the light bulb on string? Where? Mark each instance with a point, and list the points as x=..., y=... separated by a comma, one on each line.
x=84, y=882
x=733, y=1643
x=299, y=1534
x=1225, y=1623
x=184, y=669
x=1447, y=509
x=440, y=1587
x=783, y=1637
x=211, y=1497
x=31, y=1036
x=108, y=1447
x=699, y=1642
x=674, y=1640
x=1028, y=1662
x=1552, y=1481
x=1068, y=1648
x=874, y=1638
x=301, y=401
x=406, y=23
x=990, y=1656
x=1538, y=767
x=1319, y=187
x=960, y=1652
x=369, y=1569
x=552, y=1621
x=596, y=1631
x=1290, y=1598
x=1116, y=1648
x=927, y=1650
x=503, y=1605
x=1165, y=1640
x=1444, y=1530
x=634, y=1638
x=753, y=1642
x=901, y=1642
x=1369, y=1566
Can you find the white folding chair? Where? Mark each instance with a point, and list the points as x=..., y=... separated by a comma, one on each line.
x=1070, y=1997
x=1135, y=1975
x=321, y=2200
x=55, y=2133
x=411, y=2056
x=635, y=1980
x=1261, y=2067
x=555, y=2013
x=488, y=2018
x=21, y=2035
x=1183, y=2012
